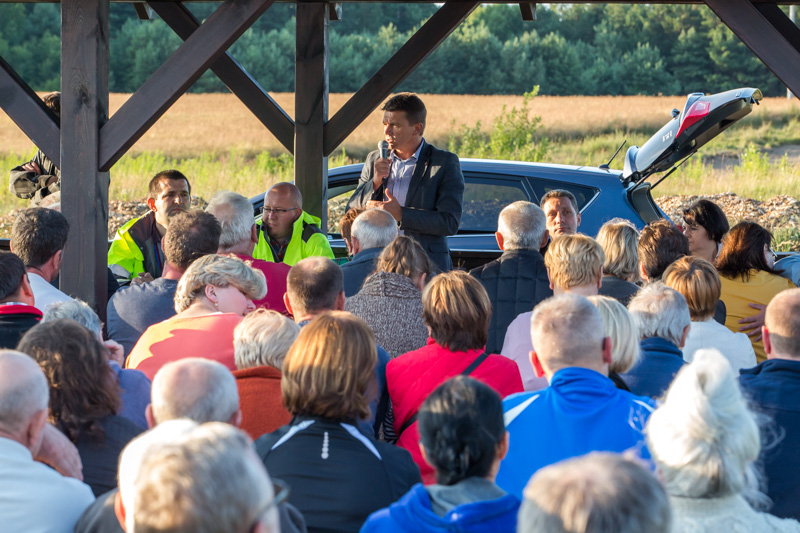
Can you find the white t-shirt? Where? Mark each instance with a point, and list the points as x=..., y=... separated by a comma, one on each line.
x=517, y=346
x=43, y=293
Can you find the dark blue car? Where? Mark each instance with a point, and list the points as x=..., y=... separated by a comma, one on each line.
x=602, y=193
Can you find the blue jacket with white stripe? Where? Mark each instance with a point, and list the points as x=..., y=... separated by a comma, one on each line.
x=580, y=412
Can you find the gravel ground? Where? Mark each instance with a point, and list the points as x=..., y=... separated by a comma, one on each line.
x=779, y=213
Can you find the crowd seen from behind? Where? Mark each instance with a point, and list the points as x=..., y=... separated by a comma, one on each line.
x=245, y=381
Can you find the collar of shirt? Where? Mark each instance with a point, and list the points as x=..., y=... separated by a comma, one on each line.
x=413, y=158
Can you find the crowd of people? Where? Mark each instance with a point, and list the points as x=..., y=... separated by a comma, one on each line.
x=639, y=381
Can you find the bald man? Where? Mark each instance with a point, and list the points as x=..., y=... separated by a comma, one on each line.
x=291, y=234
x=773, y=388
x=33, y=497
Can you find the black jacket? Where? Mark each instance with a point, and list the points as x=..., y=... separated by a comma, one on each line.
x=15, y=320
x=516, y=282
x=434, y=202
x=338, y=475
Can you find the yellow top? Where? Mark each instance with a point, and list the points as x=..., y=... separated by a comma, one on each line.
x=738, y=294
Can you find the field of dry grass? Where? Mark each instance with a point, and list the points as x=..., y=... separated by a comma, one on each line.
x=217, y=123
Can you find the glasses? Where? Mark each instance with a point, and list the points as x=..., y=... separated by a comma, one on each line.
x=274, y=211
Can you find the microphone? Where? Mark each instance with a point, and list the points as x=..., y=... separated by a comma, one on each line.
x=383, y=146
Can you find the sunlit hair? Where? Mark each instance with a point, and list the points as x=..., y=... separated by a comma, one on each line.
x=573, y=261
x=783, y=322
x=698, y=281
x=83, y=387
x=206, y=479
x=374, y=228
x=53, y=102
x=346, y=223
x=313, y=284
x=703, y=437
x=263, y=338
x=38, y=234
x=457, y=310
x=220, y=271
x=199, y=389
x=707, y=214
x=76, y=310
x=743, y=251
x=461, y=425
x=235, y=215
x=623, y=332
x=330, y=368
x=191, y=235
x=522, y=225
x=660, y=311
x=567, y=330
x=560, y=193
x=405, y=256
x=596, y=493
x=660, y=243
x=619, y=239
x=411, y=105
x=156, y=182
x=24, y=392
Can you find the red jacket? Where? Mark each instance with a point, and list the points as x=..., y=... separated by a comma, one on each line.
x=275, y=274
x=260, y=400
x=413, y=376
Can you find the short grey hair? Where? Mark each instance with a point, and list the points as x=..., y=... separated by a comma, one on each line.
x=596, y=493
x=198, y=389
x=660, y=311
x=235, y=214
x=567, y=330
x=76, y=310
x=23, y=390
x=208, y=481
x=263, y=338
x=703, y=437
x=522, y=225
x=222, y=271
x=374, y=228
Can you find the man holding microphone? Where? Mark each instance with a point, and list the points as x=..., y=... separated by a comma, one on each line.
x=419, y=185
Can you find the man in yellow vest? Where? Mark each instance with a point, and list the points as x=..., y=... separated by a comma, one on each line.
x=286, y=233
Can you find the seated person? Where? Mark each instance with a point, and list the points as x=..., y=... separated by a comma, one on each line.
x=136, y=253
x=260, y=343
x=582, y=410
x=338, y=474
x=663, y=321
x=372, y=231
x=463, y=437
x=212, y=297
x=17, y=312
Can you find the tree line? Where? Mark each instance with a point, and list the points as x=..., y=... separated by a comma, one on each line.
x=571, y=49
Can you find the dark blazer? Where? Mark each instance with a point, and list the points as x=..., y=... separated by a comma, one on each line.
x=357, y=270
x=515, y=282
x=434, y=202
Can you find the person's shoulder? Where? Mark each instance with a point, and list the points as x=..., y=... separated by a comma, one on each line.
x=646, y=402
x=514, y=400
x=440, y=153
x=66, y=490
x=264, y=444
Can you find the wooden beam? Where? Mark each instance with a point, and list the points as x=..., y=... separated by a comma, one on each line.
x=620, y=2
x=27, y=110
x=175, y=75
x=311, y=107
x=143, y=11
x=84, y=188
x=335, y=11
x=402, y=63
x=234, y=76
x=781, y=22
x=528, y=10
x=765, y=41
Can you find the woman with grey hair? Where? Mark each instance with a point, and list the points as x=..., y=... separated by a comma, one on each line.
x=213, y=295
x=704, y=440
x=260, y=342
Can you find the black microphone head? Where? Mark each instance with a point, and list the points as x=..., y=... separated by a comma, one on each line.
x=383, y=146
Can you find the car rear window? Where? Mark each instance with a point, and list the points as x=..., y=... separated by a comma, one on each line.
x=582, y=194
x=484, y=199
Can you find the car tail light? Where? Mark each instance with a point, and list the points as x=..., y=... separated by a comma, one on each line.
x=698, y=111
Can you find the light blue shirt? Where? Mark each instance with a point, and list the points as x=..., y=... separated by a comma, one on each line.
x=401, y=173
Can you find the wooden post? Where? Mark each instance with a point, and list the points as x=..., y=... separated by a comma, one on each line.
x=311, y=107
x=84, y=189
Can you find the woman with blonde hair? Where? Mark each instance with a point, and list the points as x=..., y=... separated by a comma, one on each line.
x=624, y=335
x=338, y=474
x=619, y=239
x=392, y=297
x=213, y=295
x=704, y=440
x=457, y=310
x=698, y=281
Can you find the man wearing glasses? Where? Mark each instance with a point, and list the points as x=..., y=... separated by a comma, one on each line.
x=286, y=233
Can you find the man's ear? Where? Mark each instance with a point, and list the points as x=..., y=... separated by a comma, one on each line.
x=767, y=341
x=151, y=203
x=499, y=237
x=418, y=128
x=545, y=238
x=33, y=433
x=236, y=419
x=600, y=279
x=148, y=416
x=608, y=358
x=287, y=303
x=355, y=245
x=119, y=510
x=685, y=334
x=340, y=302
x=643, y=273
x=502, y=447
x=537, y=365
x=254, y=234
x=578, y=218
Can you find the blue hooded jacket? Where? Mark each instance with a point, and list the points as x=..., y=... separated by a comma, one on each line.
x=581, y=411
x=413, y=512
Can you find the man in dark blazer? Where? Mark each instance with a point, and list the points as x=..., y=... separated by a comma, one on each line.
x=419, y=185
